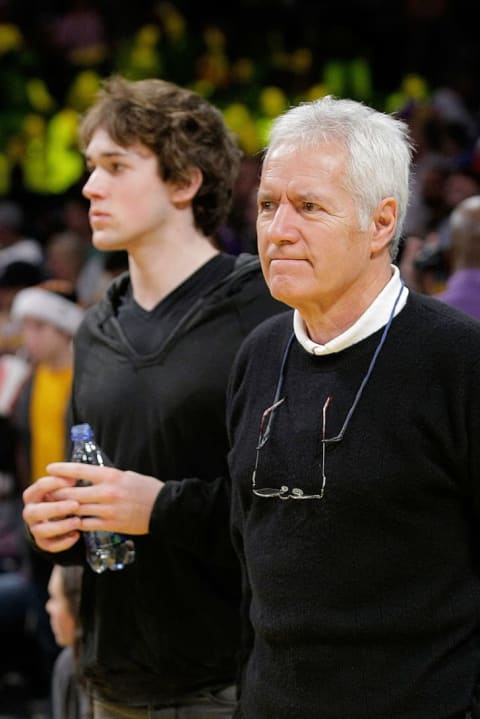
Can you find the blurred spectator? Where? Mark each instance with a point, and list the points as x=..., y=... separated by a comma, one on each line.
x=23, y=662
x=442, y=146
x=94, y=274
x=70, y=699
x=13, y=278
x=24, y=667
x=427, y=206
x=21, y=656
x=463, y=285
x=68, y=257
x=244, y=212
x=16, y=276
x=424, y=259
x=431, y=265
x=114, y=263
x=461, y=183
x=453, y=100
x=410, y=247
x=49, y=317
x=423, y=264
x=65, y=256
x=14, y=246
x=74, y=216
x=78, y=34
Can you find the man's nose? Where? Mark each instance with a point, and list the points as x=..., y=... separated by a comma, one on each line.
x=283, y=227
x=93, y=186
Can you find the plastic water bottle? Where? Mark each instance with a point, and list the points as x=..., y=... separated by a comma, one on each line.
x=104, y=550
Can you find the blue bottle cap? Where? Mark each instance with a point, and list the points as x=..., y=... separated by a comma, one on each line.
x=81, y=431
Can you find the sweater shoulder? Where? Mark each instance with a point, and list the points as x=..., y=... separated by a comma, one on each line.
x=265, y=342
x=442, y=324
x=272, y=331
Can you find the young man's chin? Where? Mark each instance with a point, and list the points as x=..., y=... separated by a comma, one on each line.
x=102, y=241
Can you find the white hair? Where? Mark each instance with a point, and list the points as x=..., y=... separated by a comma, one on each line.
x=377, y=145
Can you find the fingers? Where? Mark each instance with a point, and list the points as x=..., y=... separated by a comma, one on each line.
x=56, y=538
x=36, y=512
x=110, y=500
x=39, y=490
x=76, y=470
x=57, y=543
x=97, y=500
x=53, y=524
x=92, y=523
x=80, y=495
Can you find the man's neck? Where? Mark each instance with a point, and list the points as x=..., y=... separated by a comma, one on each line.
x=156, y=273
x=326, y=323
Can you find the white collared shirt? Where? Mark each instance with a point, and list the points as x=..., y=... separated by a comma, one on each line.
x=374, y=317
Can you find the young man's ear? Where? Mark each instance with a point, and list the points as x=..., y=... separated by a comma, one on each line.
x=184, y=192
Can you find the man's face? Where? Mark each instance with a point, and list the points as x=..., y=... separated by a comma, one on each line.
x=42, y=341
x=61, y=619
x=128, y=200
x=310, y=245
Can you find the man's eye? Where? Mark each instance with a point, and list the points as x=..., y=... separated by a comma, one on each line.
x=309, y=206
x=265, y=205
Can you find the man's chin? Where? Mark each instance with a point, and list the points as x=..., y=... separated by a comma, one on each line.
x=282, y=291
x=102, y=241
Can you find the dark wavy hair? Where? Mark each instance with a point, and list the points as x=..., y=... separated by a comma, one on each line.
x=182, y=128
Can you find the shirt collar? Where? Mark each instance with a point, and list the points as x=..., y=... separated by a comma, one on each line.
x=374, y=317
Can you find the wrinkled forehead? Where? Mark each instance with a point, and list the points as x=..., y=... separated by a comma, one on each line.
x=319, y=164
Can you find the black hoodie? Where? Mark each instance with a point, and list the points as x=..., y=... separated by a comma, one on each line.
x=168, y=624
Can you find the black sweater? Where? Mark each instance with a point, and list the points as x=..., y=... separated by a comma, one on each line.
x=168, y=624
x=365, y=604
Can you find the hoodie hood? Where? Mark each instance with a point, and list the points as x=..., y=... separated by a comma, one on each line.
x=102, y=320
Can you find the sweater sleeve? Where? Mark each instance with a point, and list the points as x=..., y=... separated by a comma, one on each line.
x=194, y=515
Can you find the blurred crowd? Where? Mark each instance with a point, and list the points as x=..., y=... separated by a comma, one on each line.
x=52, y=58
x=44, y=290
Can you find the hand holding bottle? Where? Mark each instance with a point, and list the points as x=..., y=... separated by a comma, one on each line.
x=58, y=511
x=52, y=520
x=113, y=500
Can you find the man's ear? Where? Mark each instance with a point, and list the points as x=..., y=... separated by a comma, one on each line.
x=184, y=192
x=384, y=224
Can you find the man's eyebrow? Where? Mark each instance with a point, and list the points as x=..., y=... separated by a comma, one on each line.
x=263, y=193
x=106, y=154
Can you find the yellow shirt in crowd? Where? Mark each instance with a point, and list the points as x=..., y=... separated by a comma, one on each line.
x=48, y=409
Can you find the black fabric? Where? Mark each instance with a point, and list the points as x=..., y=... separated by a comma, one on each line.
x=168, y=624
x=147, y=330
x=365, y=604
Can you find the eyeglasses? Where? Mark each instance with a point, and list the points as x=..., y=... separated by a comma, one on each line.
x=284, y=492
